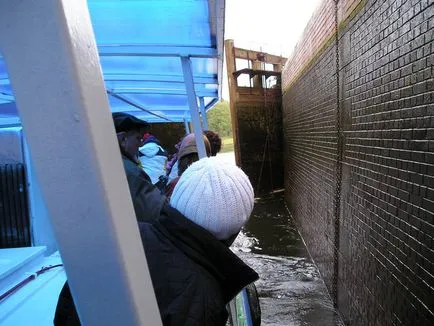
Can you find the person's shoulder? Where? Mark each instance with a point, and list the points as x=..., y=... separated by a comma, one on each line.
x=156, y=244
x=147, y=231
x=130, y=167
x=144, y=226
x=132, y=170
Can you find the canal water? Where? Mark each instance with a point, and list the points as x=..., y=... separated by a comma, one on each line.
x=290, y=288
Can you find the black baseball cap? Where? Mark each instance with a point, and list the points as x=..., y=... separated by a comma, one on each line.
x=127, y=122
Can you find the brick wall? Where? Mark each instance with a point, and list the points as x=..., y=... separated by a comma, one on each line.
x=377, y=253
x=317, y=37
x=310, y=157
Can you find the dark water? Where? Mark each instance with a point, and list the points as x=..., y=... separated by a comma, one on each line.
x=290, y=288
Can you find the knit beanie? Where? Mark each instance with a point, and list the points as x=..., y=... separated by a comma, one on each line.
x=216, y=195
x=188, y=146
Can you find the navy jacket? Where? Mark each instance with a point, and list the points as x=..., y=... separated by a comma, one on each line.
x=194, y=275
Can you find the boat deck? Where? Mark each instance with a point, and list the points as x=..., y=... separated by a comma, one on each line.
x=34, y=303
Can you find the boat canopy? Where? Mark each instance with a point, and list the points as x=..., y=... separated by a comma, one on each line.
x=161, y=60
x=142, y=47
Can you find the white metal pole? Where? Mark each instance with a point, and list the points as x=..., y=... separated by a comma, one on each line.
x=52, y=58
x=187, y=126
x=203, y=113
x=192, y=102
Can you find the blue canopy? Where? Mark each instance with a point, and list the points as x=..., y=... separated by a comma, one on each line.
x=141, y=43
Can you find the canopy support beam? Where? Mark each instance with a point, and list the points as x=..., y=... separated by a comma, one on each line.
x=187, y=126
x=74, y=149
x=156, y=51
x=124, y=99
x=202, y=79
x=192, y=102
x=203, y=113
x=155, y=91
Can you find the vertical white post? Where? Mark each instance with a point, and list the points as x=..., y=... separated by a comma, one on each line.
x=50, y=50
x=203, y=113
x=192, y=102
x=187, y=126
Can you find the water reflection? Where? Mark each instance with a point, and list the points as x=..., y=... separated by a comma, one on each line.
x=290, y=287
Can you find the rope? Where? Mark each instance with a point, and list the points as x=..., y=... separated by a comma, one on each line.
x=273, y=107
x=26, y=281
x=262, y=164
x=267, y=145
x=268, y=119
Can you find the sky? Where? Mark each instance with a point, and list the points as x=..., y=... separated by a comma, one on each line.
x=272, y=26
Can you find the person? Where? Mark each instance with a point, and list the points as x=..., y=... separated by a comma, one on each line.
x=214, y=140
x=147, y=199
x=187, y=154
x=193, y=271
x=215, y=147
x=153, y=158
x=172, y=164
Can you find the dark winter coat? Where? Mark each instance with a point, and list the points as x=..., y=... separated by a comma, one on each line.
x=147, y=199
x=194, y=275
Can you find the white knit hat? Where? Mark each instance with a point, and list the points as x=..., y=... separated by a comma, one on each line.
x=216, y=195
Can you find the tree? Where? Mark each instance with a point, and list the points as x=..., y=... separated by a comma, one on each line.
x=219, y=119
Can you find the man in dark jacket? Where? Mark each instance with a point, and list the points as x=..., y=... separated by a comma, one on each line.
x=193, y=271
x=147, y=199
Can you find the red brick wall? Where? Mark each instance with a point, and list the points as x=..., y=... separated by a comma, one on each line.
x=376, y=254
x=319, y=30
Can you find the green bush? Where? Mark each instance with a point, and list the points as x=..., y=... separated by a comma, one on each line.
x=219, y=119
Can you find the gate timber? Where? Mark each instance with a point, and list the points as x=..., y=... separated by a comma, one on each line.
x=256, y=112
